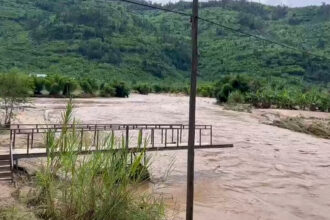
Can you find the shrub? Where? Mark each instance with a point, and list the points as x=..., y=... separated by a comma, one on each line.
x=250, y=21
x=69, y=85
x=108, y=91
x=39, y=84
x=14, y=90
x=143, y=89
x=240, y=83
x=279, y=12
x=222, y=95
x=89, y=86
x=157, y=88
x=122, y=90
x=57, y=85
x=206, y=91
x=236, y=97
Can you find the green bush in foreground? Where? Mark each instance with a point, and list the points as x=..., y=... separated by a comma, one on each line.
x=102, y=185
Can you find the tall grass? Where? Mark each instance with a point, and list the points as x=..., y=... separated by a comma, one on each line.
x=102, y=185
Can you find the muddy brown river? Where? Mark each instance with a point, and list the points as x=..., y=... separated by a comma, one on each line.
x=271, y=173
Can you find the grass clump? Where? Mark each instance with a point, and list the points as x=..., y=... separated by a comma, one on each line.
x=101, y=185
x=318, y=128
x=16, y=213
x=238, y=107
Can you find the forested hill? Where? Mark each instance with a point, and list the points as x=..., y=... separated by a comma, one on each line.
x=112, y=40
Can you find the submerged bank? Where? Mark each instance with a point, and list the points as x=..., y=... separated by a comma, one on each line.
x=249, y=181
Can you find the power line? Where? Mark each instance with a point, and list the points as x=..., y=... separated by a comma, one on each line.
x=262, y=38
x=220, y=25
x=227, y=28
x=153, y=7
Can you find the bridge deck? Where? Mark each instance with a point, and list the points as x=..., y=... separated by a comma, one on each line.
x=41, y=152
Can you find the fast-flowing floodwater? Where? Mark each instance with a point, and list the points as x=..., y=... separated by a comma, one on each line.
x=271, y=173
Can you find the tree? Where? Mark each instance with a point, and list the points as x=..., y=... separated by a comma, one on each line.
x=108, y=91
x=250, y=21
x=143, y=89
x=53, y=84
x=57, y=85
x=122, y=90
x=14, y=90
x=279, y=12
x=325, y=10
x=69, y=85
x=89, y=86
x=39, y=84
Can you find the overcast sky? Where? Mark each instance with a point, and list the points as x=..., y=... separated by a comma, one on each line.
x=290, y=3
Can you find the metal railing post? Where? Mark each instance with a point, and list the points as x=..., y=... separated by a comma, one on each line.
x=165, y=137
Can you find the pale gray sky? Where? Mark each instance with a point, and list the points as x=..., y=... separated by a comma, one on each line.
x=295, y=3
x=290, y=3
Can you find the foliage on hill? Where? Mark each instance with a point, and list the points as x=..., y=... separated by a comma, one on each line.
x=117, y=41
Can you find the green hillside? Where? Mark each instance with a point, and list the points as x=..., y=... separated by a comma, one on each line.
x=112, y=40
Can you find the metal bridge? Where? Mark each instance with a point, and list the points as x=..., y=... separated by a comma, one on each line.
x=27, y=140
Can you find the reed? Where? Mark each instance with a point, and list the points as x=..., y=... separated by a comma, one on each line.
x=101, y=185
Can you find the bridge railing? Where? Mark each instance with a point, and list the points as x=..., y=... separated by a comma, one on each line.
x=160, y=135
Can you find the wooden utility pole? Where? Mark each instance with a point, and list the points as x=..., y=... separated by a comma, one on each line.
x=192, y=113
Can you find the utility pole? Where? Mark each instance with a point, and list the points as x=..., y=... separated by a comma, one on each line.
x=192, y=113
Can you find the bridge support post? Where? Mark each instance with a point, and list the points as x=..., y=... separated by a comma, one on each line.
x=32, y=137
x=28, y=144
x=81, y=138
x=161, y=136
x=152, y=137
x=127, y=136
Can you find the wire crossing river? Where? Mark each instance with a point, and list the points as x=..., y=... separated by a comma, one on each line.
x=271, y=173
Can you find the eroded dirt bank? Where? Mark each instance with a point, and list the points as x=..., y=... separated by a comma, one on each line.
x=271, y=173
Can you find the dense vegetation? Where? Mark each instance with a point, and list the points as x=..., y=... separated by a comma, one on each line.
x=108, y=41
x=91, y=47
x=268, y=93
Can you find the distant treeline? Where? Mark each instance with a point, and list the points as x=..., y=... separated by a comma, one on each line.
x=268, y=93
x=64, y=86
x=257, y=91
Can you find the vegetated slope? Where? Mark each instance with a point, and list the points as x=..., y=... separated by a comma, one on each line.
x=81, y=38
x=112, y=40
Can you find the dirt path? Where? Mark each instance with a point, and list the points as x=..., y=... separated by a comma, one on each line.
x=272, y=173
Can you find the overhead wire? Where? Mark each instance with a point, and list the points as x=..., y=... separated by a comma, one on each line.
x=244, y=33
x=261, y=38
